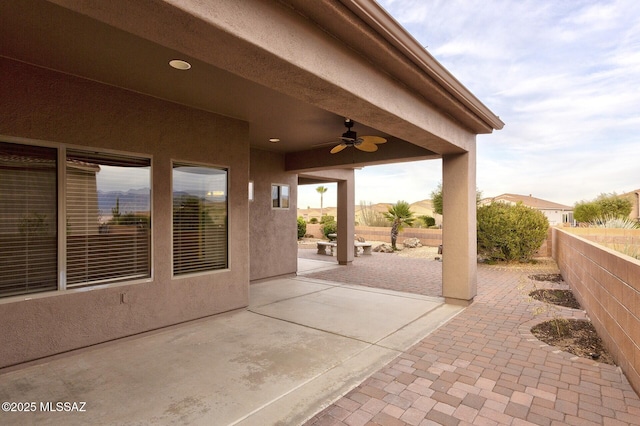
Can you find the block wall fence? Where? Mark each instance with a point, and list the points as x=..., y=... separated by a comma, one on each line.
x=607, y=285
x=428, y=237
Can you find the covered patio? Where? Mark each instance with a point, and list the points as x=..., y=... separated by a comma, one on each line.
x=240, y=98
x=315, y=352
x=300, y=345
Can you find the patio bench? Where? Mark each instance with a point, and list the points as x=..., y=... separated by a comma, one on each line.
x=322, y=247
x=366, y=248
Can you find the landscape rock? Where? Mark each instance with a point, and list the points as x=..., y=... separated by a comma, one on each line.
x=412, y=243
x=383, y=248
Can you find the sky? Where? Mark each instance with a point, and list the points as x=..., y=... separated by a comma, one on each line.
x=564, y=76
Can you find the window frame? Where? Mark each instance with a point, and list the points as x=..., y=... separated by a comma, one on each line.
x=279, y=187
x=61, y=273
x=114, y=154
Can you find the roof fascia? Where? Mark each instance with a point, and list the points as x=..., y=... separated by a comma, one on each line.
x=380, y=20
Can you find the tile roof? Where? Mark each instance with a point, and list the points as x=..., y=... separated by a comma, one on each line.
x=529, y=201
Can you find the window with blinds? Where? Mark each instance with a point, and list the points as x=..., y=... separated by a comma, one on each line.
x=28, y=219
x=199, y=219
x=108, y=217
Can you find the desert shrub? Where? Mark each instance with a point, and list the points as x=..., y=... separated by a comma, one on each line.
x=510, y=232
x=605, y=205
x=370, y=217
x=614, y=222
x=329, y=227
x=326, y=218
x=427, y=220
x=302, y=227
x=586, y=211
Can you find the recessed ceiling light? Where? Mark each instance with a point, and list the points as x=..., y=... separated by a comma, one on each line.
x=274, y=140
x=180, y=64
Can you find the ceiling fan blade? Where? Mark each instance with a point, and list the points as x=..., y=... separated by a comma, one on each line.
x=373, y=139
x=367, y=147
x=338, y=148
x=321, y=144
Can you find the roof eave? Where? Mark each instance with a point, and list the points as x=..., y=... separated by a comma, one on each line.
x=380, y=20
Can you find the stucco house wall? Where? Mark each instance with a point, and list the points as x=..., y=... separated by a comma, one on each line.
x=61, y=109
x=273, y=231
x=555, y=217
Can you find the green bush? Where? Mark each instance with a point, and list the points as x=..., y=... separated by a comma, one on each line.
x=302, y=227
x=327, y=218
x=313, y=220
x=605, y=205
x=510, y=232
x=427, y=220
x=330, y=227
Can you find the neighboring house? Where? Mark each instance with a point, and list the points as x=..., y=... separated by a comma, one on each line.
x=634, y=197
x=557, y=214
x=211, y=113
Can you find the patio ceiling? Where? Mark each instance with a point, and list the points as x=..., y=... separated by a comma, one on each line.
x=125, y=50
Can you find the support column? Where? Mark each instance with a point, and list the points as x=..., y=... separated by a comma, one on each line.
x=346, y=219
x=459, y=264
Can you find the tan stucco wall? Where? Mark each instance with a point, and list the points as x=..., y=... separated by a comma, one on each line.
x=607, y=285
x=39, y=104
x=273, y=231
x=459, y=237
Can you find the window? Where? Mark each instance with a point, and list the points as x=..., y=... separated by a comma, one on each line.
x=108, y=217
x=28, y=219
x=105, y=228
x=280, y=196
x=199, y=218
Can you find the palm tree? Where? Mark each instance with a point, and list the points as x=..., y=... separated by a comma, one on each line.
x=398, y=214
x=321, y=190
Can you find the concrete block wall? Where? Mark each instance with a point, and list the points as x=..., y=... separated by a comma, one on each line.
x=428, y=237
x=607, y=284
x=623, y=240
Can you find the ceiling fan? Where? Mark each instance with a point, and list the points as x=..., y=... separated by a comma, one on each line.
x=363, y=143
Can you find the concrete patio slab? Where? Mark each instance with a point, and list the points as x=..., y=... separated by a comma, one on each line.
x=301, y=344
x=356, y=312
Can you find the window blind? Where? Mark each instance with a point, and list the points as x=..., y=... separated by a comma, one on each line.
x=199, y=219
x=108, y=215
x=28, y=219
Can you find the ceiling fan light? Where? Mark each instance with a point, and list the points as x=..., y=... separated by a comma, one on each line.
x=351, y=139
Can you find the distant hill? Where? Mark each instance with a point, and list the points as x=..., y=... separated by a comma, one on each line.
x=131, y=201
x=419, y=208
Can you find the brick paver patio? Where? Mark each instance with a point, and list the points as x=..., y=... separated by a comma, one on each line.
x=409, y=275
x=483, y=367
